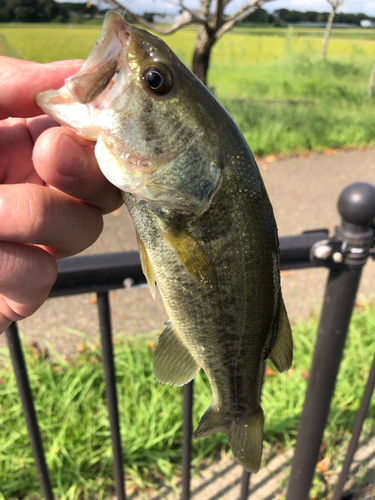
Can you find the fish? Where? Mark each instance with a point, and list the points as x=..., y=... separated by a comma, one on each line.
x=205, y=226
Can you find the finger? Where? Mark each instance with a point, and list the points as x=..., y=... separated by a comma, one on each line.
x=16, y=146
x=22, y=80
x=27, y=274
x=67, y=162
x=39, y=124
x=62, y=224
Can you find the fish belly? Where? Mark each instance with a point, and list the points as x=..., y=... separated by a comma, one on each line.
x=226, y=325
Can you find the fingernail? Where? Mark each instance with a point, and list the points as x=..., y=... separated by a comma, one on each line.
x=71, y=157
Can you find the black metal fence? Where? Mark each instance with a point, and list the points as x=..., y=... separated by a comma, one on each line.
x=344, y=254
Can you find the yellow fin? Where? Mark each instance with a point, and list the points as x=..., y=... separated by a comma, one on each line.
x=191, y=255
x=282, y=351
x=173, y=363
x=147, y=268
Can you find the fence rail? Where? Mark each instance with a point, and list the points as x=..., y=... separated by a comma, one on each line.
x=345, y=254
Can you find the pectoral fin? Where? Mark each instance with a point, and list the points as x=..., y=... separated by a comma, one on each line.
x=173, y=363
x=282, y=351
x=191, y=255
x=147, y=268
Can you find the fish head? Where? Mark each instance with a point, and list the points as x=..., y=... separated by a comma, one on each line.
x=156, y=125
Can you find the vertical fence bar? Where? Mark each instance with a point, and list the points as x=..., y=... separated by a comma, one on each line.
x=357, y=208
x=24, y=390
x=110, y=383
x=356, y=432
x=245, y=483
x=337, y=309
x=187, y=439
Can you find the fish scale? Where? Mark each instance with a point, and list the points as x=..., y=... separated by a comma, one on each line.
x=205, y=226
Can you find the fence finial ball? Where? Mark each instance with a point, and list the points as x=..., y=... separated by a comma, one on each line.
x=357, y=204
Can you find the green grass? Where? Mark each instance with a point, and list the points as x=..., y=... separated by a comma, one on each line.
x=70, y=403
x=340, y=115
x=250, y=69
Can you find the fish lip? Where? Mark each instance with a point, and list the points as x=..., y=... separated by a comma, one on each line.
x=101, y=65
x=143, y=164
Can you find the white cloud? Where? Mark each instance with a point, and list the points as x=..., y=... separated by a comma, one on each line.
x=365, y=6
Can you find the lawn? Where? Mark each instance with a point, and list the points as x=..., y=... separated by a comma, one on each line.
x=273, y=82
x=75, y=427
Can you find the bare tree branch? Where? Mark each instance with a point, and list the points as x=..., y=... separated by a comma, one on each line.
x=209, y=29
x=188, y=18
x=205, y=11
x=336, y=3
x=198, y=19
x=220, y=4
x=184, y=21
x=240, y=14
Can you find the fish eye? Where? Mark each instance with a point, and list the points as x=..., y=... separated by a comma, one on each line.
x=158, y=79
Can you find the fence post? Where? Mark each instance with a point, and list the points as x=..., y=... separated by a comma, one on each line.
x=356, y=432
x=187, y=432
x=357, y=208
x=110, y=387
x=26, y=397
x=245, y=485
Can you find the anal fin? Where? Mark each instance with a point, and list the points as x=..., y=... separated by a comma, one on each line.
x=282, y=351
x=173, y=363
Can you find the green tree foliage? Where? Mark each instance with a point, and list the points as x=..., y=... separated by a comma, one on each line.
x=295, y=16
x=79, y=8
x=40, y=11
x=259, y=16
x=5, y=11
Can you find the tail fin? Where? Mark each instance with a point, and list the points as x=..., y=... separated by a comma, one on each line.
x=245, y=436
x=246, y=440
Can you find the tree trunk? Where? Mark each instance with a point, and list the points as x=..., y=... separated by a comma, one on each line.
x=328, y=32
x=202, y=52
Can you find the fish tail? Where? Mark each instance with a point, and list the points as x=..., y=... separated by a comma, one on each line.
x=245, y=436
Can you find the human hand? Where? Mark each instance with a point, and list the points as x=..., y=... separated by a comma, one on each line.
x=52, y=193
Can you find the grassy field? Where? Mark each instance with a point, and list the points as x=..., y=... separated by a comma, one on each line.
x=242, y=46
x=75, y=427
x=272, y=81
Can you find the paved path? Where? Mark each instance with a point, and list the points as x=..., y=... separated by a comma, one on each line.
x=222, y=480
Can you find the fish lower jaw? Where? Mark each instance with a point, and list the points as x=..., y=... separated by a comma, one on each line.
x=61, y=106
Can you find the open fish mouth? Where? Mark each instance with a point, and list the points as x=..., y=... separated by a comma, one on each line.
x=96, y=84
x=124, y=97
x=102, y=63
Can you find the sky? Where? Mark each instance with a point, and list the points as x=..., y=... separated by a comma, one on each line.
x=365, y=6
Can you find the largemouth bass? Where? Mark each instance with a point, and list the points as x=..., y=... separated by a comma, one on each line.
x=205, y=226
